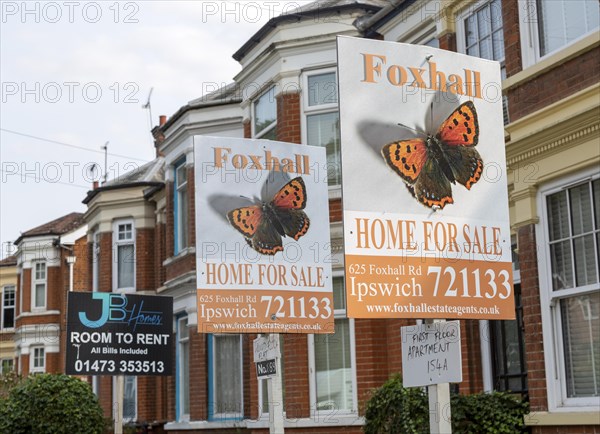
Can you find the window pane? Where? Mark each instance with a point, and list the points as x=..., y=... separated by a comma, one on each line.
x=581, y=209
x=228, y=375
x=562, y=268
x=40, y=271
x=471, y=30
x=562, y=21
x=581, y=343
x=181, y=175
x=498, y=45
x=125, y=232
x=182, y=218
x=558, y=216
x=484, y=24
x=496, y=14
x=265, y=111
x=485, y=48
x=8, y=307
x=339, y=293
x=129, y=398
x=322, y=89
x=125, y=264
x=40, y=295
x=334, y=369
x=324, y=130
x=585, y=260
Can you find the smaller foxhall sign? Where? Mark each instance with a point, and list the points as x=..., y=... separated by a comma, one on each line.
x=119, y=334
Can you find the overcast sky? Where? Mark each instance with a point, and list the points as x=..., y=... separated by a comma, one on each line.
x=78, y=73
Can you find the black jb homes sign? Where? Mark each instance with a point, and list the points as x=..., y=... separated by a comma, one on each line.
x=119, y=334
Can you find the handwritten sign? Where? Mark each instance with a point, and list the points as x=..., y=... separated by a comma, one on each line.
x=266, y=348
x=431, y=354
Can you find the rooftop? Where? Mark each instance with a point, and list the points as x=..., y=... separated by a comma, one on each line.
x=59, y=226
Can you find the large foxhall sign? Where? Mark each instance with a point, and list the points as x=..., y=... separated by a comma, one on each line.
x=119, y=334
x=262, y=237
x=426, y=224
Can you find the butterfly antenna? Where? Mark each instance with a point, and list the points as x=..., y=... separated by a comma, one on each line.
x=411, y=128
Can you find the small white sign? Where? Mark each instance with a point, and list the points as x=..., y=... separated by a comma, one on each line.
x=431, y=354
x=266, y=348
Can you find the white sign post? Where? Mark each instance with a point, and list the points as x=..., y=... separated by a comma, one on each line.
x=267, y=350
x=431, y=357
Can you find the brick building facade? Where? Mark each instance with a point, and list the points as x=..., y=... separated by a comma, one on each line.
x=552, y=139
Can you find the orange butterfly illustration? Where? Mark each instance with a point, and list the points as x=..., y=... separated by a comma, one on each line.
x=428, y=166
x=263, y=226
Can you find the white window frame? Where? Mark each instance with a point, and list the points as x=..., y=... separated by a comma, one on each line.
x=115, y=398
x=39, y=281
x=95, y=261
x=529, y=32
x=182, y=321
x=33, y=357
x=116, y=244
x=550, y=306
x=266, y=130
x=312, y=370
x=12, y=365
x=307, y=110
x=218, y=417
x=3, y=306
x=182, y=231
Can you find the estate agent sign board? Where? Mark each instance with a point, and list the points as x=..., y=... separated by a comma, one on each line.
x=426, y=224
x=262, y=237
x=119, y=334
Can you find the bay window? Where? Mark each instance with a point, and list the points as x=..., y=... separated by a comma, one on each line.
x=570, y=274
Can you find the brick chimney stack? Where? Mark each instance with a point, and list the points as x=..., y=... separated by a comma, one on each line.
x=158, y=134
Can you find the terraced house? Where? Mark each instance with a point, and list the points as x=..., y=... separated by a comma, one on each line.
x=138, y=234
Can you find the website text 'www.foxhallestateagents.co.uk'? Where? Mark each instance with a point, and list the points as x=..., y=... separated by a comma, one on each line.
x=258, y=325
x=432, y=308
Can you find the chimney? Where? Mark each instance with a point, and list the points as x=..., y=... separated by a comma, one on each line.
x=95, y=185
x=158, y=134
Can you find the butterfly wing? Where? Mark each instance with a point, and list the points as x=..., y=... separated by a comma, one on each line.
x=246, y=219
x=466, y=164
x=287, y=206
x=406, y=157
x=294, y=222
x=291, y=196
x=461, y=128
x=432, y=188
x=257, y=228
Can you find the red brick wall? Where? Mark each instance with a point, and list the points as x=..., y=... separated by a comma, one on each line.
x=512, y=36
x=159, y=254
x=82, y=268
x=296, y=382
x=532, y=319
x=372, y=353
x=556, y=84
x=448, y=42
x=574, y=429
x=170, y=218
x=335, y=210
x=288, y=118
x=198, y=376
x=247, y=129
x=105, y=262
